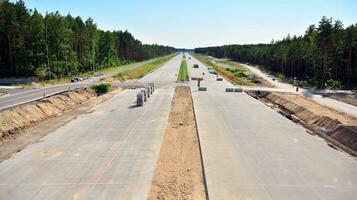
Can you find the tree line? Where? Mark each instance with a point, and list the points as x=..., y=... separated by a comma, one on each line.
x=53, y=45
x=325, y=55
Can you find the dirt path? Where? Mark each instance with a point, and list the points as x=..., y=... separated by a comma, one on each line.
x=178, y=173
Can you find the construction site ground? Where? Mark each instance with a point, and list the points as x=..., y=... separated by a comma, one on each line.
x=178, y=173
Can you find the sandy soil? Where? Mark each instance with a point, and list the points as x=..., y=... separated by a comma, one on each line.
x=178, y=173
x=340, y=128
x=318, y=109
x=259, y=81
x=15, y=120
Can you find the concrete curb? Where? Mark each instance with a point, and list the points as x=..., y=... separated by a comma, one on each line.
x=199, y=145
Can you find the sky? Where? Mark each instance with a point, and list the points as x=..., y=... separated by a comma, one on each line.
x=201, y=23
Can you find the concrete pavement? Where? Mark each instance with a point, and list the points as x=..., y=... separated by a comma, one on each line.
x=108, y=154
x=337, y=105
x=251, y=152
x=166, y=73
x=18, y=98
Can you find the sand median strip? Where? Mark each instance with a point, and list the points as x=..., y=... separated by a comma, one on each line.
x=179, y=172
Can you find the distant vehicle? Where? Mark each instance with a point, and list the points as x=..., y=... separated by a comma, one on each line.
x=97, y=75
x=74, y=79
x=219, y=79
x=189, y=57
x=212, y=72
x=195, y=66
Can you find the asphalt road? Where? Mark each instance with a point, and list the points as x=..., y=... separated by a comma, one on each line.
x=252, y=152
x=108, y=154
x=18, y=98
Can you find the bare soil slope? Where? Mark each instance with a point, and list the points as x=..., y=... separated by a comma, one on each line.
x=15, y=120
x=339, y=126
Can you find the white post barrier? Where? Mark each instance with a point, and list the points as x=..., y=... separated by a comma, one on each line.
x=145, y=95
x=140, y=99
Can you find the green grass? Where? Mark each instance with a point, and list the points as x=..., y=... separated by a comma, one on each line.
x=237, y=74
x=106, y=70
x=183, y=72
x=46, y=83
x=67, y=79
x=236, y=66
x=101, y=88
x=143, y=70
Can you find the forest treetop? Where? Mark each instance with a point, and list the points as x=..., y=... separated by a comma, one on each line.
x=325, y=56
x=54, y=45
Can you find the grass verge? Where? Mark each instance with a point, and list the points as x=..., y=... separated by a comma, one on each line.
x=143, y=70
x=183, y=72
x=67, y=79
x=101, y=88
x=236, y=73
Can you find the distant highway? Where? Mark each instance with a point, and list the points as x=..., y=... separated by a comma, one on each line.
x=15, y=99
x=250, y=151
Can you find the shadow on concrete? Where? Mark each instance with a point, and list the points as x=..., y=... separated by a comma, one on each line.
x=133, y=106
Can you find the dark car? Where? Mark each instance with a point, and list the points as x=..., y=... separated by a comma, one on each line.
x=74, y=79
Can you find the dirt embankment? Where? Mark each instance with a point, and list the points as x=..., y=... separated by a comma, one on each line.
x=179, y=172
x=261, y=82
x=15, y=120
x=342, y=128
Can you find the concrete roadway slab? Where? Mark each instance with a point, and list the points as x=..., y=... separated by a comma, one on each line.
x=252, y=152
x=24, y=96
x=166, y=73
x=108, y=154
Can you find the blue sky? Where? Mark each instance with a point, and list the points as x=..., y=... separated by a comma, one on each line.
x=197, y=23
